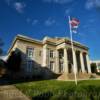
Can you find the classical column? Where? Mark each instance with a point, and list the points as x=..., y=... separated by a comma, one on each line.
x=88, y=63
x=57, y=61
x=82, y=62
x=65, y=61
x=45, y=55
x=74, y=61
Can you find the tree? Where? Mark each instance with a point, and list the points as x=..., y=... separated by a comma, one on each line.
x=1, y=44
x=3, y=64
x=14, y=61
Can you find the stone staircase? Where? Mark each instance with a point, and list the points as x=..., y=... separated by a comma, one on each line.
x=63, y=76
x=83, y=76
x=71, y=76
x=94, y=75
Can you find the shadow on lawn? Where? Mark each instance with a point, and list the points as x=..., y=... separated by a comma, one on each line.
x=10, y=81
x=6, y=81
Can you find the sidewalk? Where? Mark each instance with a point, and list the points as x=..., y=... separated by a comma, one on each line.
x=10, y=92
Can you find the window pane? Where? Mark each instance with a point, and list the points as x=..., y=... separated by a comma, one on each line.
x=29, y=66
x=30, y=52
x=40, y=53
x=61, y=67
x=51, y=53
x=51, y=65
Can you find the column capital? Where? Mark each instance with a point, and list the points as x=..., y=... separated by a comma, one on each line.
x=66, y=48
x=76, y=50
x=45, y=46
x=70, y=48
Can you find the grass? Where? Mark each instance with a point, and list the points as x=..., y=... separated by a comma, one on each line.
x=63, y=90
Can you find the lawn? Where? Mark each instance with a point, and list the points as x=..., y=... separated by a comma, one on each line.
x=62, y=90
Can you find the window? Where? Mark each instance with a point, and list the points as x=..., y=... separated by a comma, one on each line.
x=29, y=66
x=61, y=67
x=30, y=52
x=61, y=54
x=51, y=53
x=40, y=53
x=51, y=65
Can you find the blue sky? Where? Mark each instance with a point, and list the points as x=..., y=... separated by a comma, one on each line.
x=39, y=18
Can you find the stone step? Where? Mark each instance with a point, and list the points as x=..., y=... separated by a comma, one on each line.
x=63, y=76
x=71, y=76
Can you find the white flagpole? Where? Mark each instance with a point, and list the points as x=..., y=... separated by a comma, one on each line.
x=71, y=36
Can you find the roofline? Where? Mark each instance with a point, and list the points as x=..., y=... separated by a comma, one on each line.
x=24, y=38
x=67, y=40
x=75, y=43
x=28, y=39
x=12, y=44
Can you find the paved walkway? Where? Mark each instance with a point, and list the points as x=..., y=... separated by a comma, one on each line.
x=10, y=92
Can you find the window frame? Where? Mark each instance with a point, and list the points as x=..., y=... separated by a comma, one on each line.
x=51, y=66
x=40, y=53
x=51, y=53
x=30, y=52
x=29, y=66
x=61, y=64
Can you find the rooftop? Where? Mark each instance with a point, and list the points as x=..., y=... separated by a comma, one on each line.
x=46, y=39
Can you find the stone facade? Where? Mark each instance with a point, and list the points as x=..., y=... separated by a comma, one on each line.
x=52, y=53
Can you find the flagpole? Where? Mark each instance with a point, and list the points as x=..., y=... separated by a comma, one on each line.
x=71, y=36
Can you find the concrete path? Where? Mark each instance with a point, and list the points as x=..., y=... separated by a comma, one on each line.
x=10, y=92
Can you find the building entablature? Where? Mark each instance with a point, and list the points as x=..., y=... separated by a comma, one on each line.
x=55, y=42
x=68, y=46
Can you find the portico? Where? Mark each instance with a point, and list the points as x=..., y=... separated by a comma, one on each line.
x=63, y=58
x=81, y=61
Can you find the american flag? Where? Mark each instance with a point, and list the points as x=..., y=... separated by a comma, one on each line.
x=74, y=24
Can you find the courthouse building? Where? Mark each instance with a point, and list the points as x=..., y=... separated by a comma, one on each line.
x=55, y=54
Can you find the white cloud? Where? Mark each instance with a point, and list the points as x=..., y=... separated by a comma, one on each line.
x=28, y=20
x=97, y=3
x=8, y=1
x=58, y=1
x=50, y=22
x=68, y=11
x=85, y=26
x=89, y=23
x=32, y=22
x=89, y=4
x=19, y=6
x=92, y=4
x=35, y=22
x=91, y=20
